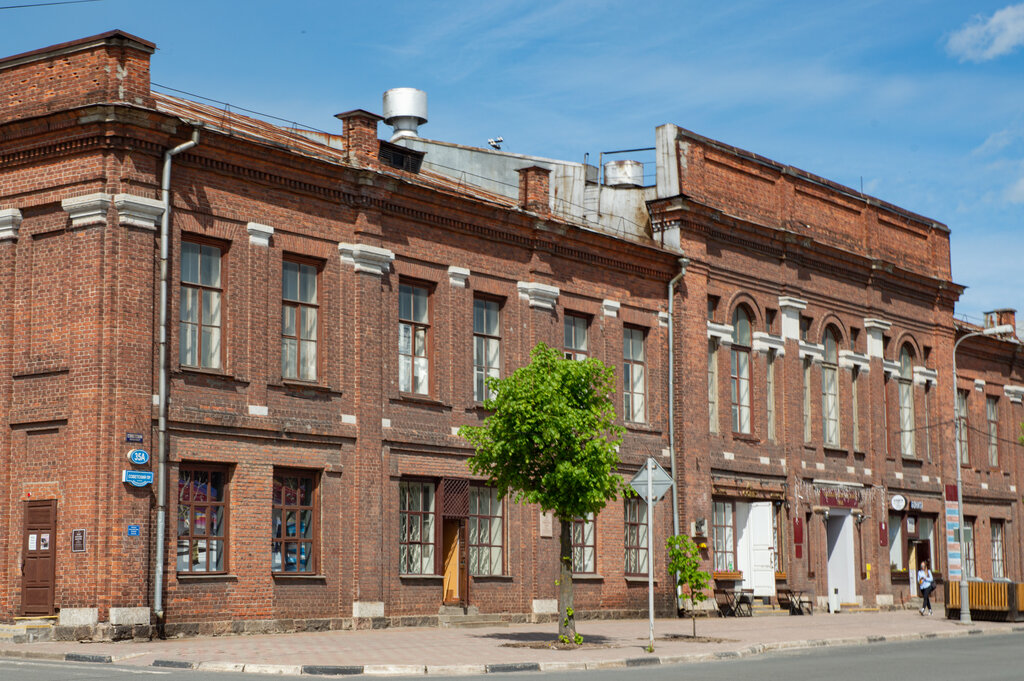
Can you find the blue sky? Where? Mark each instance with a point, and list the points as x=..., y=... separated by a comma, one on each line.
x=921, y=101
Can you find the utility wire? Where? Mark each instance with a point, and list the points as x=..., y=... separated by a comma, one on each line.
x=47, y=4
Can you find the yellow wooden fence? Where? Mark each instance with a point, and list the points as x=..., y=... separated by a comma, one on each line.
x=994, y=596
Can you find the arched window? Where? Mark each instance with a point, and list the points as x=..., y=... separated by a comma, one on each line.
x=830, y=389
x=741, y=371
x=906, y=387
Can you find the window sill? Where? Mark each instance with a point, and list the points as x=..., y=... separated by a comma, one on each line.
x=307, y=386
x=419, y=399
x=288, y=576
x=834, y=450
x=421, y=577
x=209, y=373
x=637, y=579
x=746, y=437
x=587, y=577
x=492, y=578
x=212, y=577
x=639, y=427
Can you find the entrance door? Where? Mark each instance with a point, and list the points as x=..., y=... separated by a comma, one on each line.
x=39, y=558
x=456, y=579
x=840, y=555
x=918, y=550
x=762, y=549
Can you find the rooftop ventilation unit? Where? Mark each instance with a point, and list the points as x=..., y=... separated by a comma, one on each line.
x=624, y=173
x=405, y=109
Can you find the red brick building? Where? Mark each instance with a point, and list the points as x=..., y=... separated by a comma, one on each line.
x=334, y=302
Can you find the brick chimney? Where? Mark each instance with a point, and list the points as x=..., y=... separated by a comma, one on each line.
x=109, y=67
x=534, y=189
x=1005, y=315
x=360, y=136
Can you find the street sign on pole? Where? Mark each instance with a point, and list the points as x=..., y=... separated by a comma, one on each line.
x=651, y=482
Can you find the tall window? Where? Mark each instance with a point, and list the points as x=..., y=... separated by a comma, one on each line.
x=713, y=385
x=896, y=542
x=298, y=321
x=992, y=416
x=998, y=554
x=963, y=428
x=294, y=519
x=769, y=386
x=636, y=536
x=575, y=335
x=807, y=399
x=855, y=406
x=416, y=528
x=906, y=390
x=485, y=531
x=584, y=545
x=486, y=347
x=968, y=549
x=199, y=344
x=634, y=375
x=830, y=389
x=413, y=339
x=740, y=371
x=723, y=530
x=202, y=519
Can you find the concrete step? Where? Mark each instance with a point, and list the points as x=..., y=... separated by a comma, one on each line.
x=470, y=621
x=28, y=629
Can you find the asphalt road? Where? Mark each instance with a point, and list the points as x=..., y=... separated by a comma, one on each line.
x=977, y=658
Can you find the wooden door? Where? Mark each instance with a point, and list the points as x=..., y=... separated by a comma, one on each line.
x=39, y=558
x=452, y=558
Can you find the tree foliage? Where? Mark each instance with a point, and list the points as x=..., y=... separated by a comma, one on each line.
x=552, y=441
x=684, y=566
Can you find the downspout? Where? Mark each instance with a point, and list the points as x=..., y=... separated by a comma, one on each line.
x=683, y=262
x=161, y=495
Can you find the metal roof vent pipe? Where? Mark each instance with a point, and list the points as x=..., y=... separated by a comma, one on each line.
x=624, y=173
x=405, y=109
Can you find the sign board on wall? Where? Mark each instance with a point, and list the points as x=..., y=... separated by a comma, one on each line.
x=78, y=541
x=839, y=497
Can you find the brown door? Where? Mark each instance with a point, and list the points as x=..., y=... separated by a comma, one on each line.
x=39, y=558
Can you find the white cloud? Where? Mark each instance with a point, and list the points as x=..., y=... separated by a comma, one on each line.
x=982, y=39
x=1015, y=192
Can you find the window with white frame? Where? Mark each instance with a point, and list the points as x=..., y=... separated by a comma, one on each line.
x=486, y=347
x=634, y=387
x=905, y=381
x=992, y=416
x=413, y=339
x=740, y=370
x=723, y=536
x=416, y=536
x=830, y=389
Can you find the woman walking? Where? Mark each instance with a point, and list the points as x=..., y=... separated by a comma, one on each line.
x=926, y=584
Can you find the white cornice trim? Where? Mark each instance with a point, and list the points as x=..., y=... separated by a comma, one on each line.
x=662, y=318
x=540, y=295
x=87, y=210
x=875, y=329
x=926, y=376
x=1015, y=393
x=816, y=351
x=763, y=342
x=891, y=367
x=610, y=308
x=848, y=359
x=720, y=332
x=10, y=221
x=259, y=234
x=458, y=276
x=138, y=211
x=364, y=258
x=979, y=385
x=791, y=303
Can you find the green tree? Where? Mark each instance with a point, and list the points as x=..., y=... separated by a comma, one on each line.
x=684, y=566
x=552, y=441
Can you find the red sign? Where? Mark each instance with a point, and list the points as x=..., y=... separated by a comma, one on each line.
x=883, y=533
x=842, y=497
x=951, y=493
x=798, y=532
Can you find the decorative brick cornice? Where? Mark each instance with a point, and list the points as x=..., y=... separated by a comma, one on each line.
x=138, y=211
x=1014, y=392
x=540, y=295
x=891, y=367
x=364, y=258
x=87, y=210
x=259, y=235
x=458, y=276
x=10, y=221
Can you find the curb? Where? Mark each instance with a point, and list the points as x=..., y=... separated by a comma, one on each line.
x=507, y=667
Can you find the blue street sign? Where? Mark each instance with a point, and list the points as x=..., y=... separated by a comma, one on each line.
x=138, y=456
x=134, y=531
x=137, y=478
x=133, y=437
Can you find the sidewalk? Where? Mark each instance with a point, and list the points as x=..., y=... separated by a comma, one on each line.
x=608, y=643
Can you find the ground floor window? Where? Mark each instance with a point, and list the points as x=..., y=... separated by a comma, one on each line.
x=584, y=545
x=723, y=526
x=416, y=535
x=293, y=522
x=896, y=542
x=998, y=571
x=636, y=536
x=202, y=518
x=967, y=549
x=485, y=531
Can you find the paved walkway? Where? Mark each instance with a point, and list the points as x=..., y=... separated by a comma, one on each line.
x=427, y=650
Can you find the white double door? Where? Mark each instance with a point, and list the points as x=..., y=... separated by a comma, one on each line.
x=755, y=546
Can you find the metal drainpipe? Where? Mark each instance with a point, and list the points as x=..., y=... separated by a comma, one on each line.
x=161, y=495
x=683, y=262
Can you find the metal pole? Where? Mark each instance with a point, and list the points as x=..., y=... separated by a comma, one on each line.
x=650, y=550
x=965, y=605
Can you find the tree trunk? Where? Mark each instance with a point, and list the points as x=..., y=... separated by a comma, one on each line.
x=693, y=617
x=566, y=613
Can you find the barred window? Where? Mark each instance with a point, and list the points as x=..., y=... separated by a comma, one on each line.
x=416, y=528
x=636, y=536
x=202, y=518
x=294, y=520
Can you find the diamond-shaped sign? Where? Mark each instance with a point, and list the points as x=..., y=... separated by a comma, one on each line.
x=661, y=481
